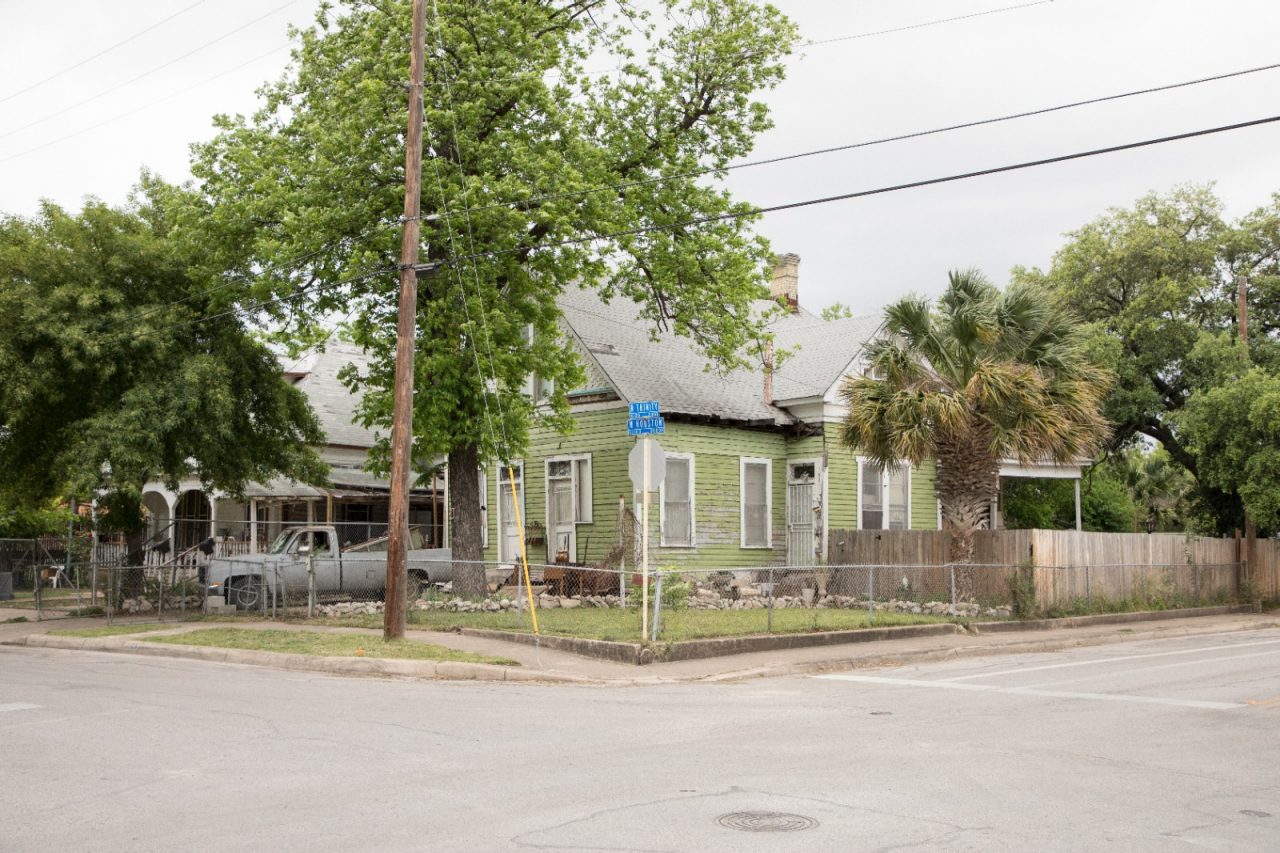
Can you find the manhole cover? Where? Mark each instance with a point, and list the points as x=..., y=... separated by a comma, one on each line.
x=1254, y=813
x=766, y=821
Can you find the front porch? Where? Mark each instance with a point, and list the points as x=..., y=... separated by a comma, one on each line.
x=190, y=524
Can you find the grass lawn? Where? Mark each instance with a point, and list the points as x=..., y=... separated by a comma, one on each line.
x=323, y=645
x=53, y=598
x=624, y=625
x=115, y=630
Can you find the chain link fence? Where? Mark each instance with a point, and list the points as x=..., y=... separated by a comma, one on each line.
x=592, y=601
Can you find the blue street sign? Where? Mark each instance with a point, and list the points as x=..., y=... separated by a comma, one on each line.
x=651, y=425
x=640, y=410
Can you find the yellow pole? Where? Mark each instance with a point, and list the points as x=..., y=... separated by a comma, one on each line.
x=524, y=557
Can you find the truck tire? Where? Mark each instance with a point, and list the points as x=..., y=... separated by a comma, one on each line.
x=245, y=593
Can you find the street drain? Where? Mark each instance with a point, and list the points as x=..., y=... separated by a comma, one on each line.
x=1254, y=813
x=766, y=822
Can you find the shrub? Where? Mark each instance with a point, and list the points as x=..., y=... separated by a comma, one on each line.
x=1022, y=591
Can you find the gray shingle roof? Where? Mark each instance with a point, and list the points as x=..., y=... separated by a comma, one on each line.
x=673, y=372
x=820, y=350
x=334, y=405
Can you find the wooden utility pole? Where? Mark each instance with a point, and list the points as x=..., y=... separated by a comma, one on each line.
x=1242, y=321
x=406, y=331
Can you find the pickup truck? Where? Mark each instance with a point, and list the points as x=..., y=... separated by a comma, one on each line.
x=359, y=569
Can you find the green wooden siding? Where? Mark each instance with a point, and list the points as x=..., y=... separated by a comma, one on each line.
x=603, y=435
x=924, y=501
x=717, y=452
x=842, y=489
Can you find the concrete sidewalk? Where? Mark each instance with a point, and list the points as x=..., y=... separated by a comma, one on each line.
x=549, y=665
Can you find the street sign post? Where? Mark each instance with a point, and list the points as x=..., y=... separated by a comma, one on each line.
x=647, y=450
x=646, y=461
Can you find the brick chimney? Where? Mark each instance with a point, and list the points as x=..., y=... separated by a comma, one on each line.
x=786, y=281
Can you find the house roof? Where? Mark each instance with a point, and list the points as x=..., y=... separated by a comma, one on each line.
x=820, y=353
x=334, y=405
x=672, y=371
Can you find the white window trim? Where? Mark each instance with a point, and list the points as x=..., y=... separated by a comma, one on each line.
x=884, y=494
x=589, y=494
x=743, y=462
x=497, y=494
x=693, y=506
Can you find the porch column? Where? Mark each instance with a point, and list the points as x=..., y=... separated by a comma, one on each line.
x=253, y=525
x=172, y=501
x=1076, y=483
x=213, y=516
x=311, y=511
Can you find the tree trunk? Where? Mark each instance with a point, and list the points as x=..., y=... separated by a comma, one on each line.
x=968, y=480
x=466, y=540
x=132, y=579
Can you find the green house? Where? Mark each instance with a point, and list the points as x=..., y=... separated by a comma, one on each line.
x=755, y=473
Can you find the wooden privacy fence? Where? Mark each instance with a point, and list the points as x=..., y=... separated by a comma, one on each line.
x=1066, y=564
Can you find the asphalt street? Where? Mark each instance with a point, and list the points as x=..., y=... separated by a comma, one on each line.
x=1171, y=744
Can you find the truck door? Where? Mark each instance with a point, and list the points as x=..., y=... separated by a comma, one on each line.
x=325, y=561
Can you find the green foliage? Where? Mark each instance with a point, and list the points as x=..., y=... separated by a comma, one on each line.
x=1042, y=504
x=1120, y=494
x=836, y=311
x=25, y=522
x=307, y=190
x=1022, y=592
x=107, y=383
x=1234, y=431
x=1157, y=284
x=1159, y=488
x=675, y=590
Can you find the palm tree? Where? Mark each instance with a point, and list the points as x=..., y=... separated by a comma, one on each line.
x=984, y=377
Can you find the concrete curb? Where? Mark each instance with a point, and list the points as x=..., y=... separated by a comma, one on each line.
x=1107, y=619
x=904, y=657
x=632, y=653
x=438, y=670
x=719, y=647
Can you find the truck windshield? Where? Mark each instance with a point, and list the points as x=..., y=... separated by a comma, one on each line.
x=282, y=540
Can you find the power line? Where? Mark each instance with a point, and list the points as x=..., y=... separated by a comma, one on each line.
x=135, y=79
x=601, y=72
x=186, y=89
x=925, y=24
x=721, y=217
x=100, y=53
x=880, y=141
x=757, y=211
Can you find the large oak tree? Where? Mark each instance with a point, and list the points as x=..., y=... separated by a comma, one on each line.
x=540, y=174
x=1157, y=283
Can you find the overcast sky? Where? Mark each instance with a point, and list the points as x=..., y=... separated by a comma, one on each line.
x=862, y=252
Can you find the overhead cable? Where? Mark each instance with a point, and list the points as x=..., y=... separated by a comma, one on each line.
x=880, y=141
x=100, y=53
